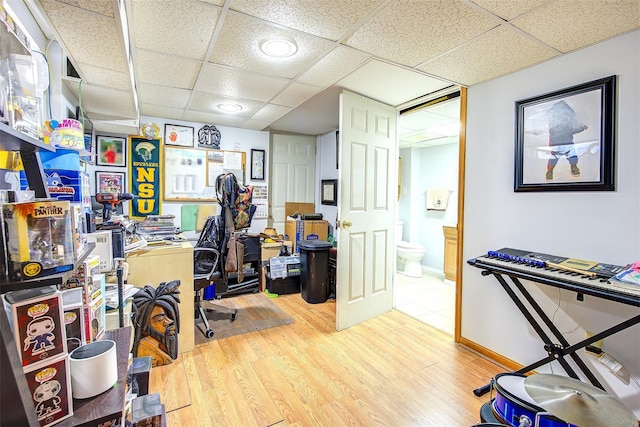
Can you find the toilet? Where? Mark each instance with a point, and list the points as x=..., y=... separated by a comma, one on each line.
x=409, y=255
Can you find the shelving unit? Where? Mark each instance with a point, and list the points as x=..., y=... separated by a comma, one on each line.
x=15, y=390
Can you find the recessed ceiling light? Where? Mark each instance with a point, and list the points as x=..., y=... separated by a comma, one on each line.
x=230, y=108
x=278, y=47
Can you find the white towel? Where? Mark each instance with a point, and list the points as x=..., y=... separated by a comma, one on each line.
x=437, y=199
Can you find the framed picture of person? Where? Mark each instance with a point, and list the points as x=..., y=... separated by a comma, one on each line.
x=110, y=182
x=110, y=151
x=565, y=139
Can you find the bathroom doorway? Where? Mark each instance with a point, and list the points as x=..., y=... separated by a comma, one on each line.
x=429, y=134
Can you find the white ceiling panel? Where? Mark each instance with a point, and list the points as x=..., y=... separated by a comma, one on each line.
x=179, y=27
x=572, y=24
x=502, y=50
x=390, y=84
x=238, y=45
x=420, y=29
x=240, y=84
x=189, y=55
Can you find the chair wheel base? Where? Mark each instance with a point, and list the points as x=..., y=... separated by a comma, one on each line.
x=234, y=316
x=209, y=333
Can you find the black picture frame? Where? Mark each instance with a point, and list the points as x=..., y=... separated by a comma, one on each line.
x=178, y=135
x=329, y=192
x=257, y=164
x=565, y=139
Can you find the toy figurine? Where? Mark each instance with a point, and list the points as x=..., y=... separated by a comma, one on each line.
x=39, y=333
x=46, y=394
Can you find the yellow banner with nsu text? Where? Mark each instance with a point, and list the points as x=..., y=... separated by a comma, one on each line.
x=145, y=177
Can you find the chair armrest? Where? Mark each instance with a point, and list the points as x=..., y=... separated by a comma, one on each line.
x=215, y=256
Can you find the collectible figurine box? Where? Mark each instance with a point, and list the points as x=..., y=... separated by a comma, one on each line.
x=73, y=307
x=39, y=238
x=70, y=185
x=50, y=386
x=37, y=323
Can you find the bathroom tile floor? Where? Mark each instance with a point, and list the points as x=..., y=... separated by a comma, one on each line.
x=429, y=299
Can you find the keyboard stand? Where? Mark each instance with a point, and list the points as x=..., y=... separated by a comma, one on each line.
x=556, y=352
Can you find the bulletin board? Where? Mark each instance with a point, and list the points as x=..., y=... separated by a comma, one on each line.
x=190, y=173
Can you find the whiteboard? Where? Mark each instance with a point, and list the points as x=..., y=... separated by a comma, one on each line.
x=190, y=173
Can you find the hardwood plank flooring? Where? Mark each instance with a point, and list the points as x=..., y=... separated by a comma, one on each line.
x=389, y=371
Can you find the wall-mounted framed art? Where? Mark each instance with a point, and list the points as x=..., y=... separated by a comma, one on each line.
x=565, y=139
x=110, y=182
x=178, y=135
x=257, y=164
x=110, y=151
x=329, y=192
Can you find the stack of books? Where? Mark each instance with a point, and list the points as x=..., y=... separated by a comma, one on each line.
x=628, y=279
x=158, y=226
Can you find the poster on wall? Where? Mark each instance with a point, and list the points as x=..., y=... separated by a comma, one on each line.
x=145, y=174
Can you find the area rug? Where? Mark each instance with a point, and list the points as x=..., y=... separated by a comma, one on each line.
x=255, y=312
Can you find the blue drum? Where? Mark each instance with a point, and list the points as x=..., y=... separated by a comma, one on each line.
x=513, y=405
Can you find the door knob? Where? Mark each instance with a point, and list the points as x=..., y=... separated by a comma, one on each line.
x=346, y=224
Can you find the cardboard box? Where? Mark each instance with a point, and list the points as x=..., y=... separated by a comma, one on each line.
x=271, y=249
x=296, y=230
x=147, y=411
x=302, y=207
x=70, y=185
x=39, y=238
x=97, y=309
x=50, y=386
x=37, y=321
x=73, y=307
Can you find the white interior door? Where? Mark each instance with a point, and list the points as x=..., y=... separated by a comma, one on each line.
x=293, y=174
x=366, y=200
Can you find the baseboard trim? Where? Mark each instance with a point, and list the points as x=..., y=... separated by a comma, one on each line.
x=490, y=354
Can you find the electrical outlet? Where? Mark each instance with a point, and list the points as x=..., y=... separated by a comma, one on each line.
x=588, y=334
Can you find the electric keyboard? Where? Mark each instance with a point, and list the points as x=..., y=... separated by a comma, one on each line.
x=508, y=266
x=588, y=277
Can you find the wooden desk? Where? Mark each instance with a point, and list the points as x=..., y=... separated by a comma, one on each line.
x=155, y=264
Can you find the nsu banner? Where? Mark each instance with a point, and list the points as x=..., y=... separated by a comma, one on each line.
x=145, y=156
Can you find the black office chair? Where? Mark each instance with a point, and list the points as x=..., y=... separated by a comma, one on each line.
x=206, y=272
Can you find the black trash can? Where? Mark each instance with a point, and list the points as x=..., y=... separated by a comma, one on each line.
x=314, y=269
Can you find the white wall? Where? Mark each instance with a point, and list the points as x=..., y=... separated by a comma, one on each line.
x=326, y=169
x=599, y=226
x=424, y=169
x=233, y=139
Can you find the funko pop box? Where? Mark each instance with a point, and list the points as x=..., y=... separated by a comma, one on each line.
x=37, y=321
x=50, y=387
x=39, y=238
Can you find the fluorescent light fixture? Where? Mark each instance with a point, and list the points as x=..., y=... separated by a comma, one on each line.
x=230, y=108
x=278, y=47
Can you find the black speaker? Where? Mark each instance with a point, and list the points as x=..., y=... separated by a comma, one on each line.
x=91, y=222
x=117, y=238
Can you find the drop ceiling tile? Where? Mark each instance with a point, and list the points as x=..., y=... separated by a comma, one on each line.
x=98, y=6
x=270, y=112
x=165, y=70
x=238, y=46
x=237, y=83
x=336, y=65
x=568, y=25
x=390, y=84
x=412, y=32
x=90, y=38
x=255, y=124
x=214, y=119
x=161, y=111
x=322, y=18
x=295, y=94
x=103, y=77
x=164, y=96
x=499, y=52
x=107, y=101
x=508, y=9
x=180, y=27
x=208, y=103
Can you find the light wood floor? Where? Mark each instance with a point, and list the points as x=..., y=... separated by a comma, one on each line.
x=389, y=371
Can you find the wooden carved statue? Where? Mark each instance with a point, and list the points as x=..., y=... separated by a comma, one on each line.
x=156, y=319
